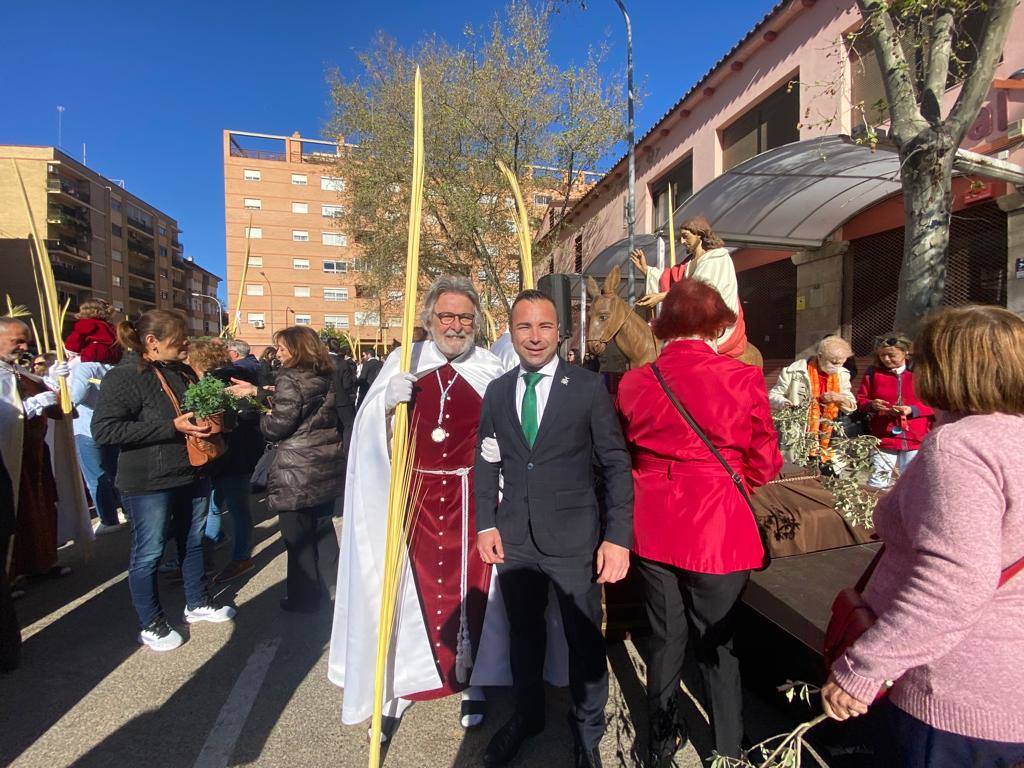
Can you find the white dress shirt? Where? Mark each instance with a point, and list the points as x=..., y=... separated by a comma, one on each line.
x=543, y=388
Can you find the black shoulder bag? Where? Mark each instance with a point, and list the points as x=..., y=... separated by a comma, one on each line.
x=733, y=475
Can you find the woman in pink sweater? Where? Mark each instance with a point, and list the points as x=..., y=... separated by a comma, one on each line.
x=947, y=634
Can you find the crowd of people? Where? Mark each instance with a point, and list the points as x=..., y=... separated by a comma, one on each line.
x=533, y=487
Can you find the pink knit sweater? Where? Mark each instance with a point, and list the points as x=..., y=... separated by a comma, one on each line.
x=953, y=643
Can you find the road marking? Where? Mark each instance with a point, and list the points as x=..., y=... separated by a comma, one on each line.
x=220, y=744
x=64, y=610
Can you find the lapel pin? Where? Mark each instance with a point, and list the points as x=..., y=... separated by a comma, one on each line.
x=565, y=380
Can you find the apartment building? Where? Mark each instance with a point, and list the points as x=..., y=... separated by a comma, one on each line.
x=103, y=241
x=283, y=201
x=765, y=146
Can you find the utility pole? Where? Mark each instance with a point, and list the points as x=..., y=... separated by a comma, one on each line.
x=631, y=188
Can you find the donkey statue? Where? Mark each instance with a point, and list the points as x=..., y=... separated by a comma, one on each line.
x=611, y=318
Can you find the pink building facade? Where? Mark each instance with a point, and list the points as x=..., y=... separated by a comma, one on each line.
x=795, y=77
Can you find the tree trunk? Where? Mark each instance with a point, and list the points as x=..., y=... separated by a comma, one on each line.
x=926, y=171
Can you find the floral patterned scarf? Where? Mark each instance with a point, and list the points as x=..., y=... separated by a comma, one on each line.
x=819, y=410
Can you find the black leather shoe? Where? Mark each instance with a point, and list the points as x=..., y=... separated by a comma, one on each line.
x=506, y=742
x=587, y=758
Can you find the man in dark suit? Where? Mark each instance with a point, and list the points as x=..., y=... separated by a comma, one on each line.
x=544, y=427
x=344, y=389
x=368, y=370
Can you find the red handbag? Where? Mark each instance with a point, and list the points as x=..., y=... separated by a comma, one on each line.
x=852, y=616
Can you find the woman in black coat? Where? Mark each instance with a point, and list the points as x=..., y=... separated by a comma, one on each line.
x=307, y=471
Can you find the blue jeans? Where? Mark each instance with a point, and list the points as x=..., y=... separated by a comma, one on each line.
x=185, y=509
x=231, y=494
x=99, y=466
x=919, y=745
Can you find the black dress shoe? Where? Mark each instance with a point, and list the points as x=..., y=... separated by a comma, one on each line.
x=587, y=758
x=290, y=607
x=506, y=742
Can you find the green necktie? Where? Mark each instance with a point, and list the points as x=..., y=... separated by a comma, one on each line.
x=529, y=415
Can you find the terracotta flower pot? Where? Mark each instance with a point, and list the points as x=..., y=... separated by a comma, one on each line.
x=215, y=421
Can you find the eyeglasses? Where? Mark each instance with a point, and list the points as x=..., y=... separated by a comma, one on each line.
x=447, y=318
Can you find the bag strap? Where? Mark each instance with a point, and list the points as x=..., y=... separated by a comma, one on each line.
x=167, y=390
x=1011, y=571
x=1004, y=577
x=733, y=475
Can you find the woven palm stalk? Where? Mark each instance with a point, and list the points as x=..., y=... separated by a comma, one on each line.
x=400, y=503
x=522, y=227
x=671, y=230
x=51, y=307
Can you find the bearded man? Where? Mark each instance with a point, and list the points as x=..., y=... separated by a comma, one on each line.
x=443, y=593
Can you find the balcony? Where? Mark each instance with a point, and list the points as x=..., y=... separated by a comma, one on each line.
x=257, y=154
x=139, y=225
x=323, y=158
x=69, y=217
x=142, y=294
x=178, y=282
x=139, y=247
x=63, y=186
x=177, y=262
x=72, y=248
x=141, y=270
x=75, y=275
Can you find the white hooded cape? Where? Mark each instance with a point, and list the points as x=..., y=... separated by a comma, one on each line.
x=503, y=349
x=411, y=668
x=72, y=506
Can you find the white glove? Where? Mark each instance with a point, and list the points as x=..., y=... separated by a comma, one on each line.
x=490, y=451
x=36, y=404
x=399, y=390
x=60, y=370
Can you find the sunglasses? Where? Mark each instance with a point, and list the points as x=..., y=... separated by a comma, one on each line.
x=891, y=341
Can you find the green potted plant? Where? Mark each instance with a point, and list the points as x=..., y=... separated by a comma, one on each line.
x=208, y=402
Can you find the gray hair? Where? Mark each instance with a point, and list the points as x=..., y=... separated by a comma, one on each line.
x=6, y=322
x=835, y=343
x=239, y=346
x=451, y=284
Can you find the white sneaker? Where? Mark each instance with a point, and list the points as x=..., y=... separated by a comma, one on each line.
x=160, y=636
x=209, y=612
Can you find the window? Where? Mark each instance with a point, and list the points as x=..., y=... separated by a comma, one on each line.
x=335, y=321
x=300, y=263
x=300, y=207
x=253, y=203
x=333, y=238
x=487, y=199
x=255, y=261
x=300, y=179
x=253, y=289
x=115, y=204
x=336, y=267
x=163, y=252
x=162, y=230
x=302, y=319
x=301, y=291
x=394, y=322
x=542, y=199
x=163, y=273
x=770, y=124
x=116, y=256
x=367, y=318
x=256, y=318
x=250, y=174
x=117, y=281
x=578, y=254
x=335, y=294
x=395, y=295
x=163, y=294
x=254, y=233
x=300, y=235
x=681, y=180
x=331, y=211
x=115, y=230
x=332, y=183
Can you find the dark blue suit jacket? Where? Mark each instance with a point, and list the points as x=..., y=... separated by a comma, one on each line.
x=550, y=489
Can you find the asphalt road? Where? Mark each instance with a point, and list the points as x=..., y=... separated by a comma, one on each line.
x=252, y=692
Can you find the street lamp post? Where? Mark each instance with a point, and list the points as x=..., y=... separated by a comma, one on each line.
x=220, y=310
x=631, y=188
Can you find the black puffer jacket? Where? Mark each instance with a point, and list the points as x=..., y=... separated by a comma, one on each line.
x=308, y=466
x=135, y=414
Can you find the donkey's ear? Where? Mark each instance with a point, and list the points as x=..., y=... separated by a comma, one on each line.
x=592, y=290
x=611, y=283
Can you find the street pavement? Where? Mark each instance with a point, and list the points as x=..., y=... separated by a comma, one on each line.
x=251, y=692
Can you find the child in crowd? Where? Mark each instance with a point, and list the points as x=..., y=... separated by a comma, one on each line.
x=897, y=417
x=93, y=337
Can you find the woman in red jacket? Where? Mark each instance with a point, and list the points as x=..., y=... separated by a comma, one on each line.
x=898, y=418
x=694, y=534
x=93, y=336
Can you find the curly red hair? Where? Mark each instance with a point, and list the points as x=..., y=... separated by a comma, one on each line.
x=693, y=308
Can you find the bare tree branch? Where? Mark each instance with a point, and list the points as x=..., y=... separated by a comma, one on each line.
x=979, y=80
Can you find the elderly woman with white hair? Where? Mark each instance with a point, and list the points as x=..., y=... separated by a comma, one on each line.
x=821, y=384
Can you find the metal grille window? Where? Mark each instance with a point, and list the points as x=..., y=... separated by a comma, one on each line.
x=578, y=251
x=768, y=296
x=975, y=271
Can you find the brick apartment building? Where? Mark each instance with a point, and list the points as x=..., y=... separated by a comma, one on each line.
x=284, y=191
x=103, y=241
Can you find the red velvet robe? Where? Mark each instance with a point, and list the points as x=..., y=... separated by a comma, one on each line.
x=35, y=535
x=436, y=547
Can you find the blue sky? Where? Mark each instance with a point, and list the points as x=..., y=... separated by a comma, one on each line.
x=149, y=86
